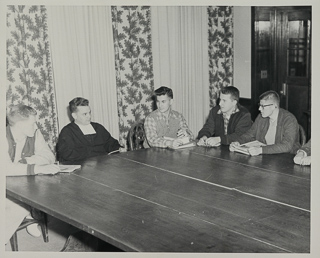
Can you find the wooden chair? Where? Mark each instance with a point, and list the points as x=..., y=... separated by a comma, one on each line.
x=136, y=136
x=302, y=136
x=40, y=218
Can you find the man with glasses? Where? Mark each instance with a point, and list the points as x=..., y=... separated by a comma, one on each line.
x=275, y=127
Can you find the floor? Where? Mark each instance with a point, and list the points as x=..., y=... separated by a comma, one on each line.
x=59, y=232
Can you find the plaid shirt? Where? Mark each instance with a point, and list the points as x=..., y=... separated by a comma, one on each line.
x=226, y=118
x=157, y=126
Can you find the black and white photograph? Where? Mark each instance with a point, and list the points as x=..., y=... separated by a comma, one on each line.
x=160, y=128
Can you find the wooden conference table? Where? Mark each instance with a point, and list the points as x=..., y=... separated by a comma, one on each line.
x=189, y=200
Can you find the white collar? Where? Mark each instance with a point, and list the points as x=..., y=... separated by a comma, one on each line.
x=274, y=116
x=86, y=129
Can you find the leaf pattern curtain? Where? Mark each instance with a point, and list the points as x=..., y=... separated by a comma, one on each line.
x=133, y=58
x=29, y=70
x=220, y=49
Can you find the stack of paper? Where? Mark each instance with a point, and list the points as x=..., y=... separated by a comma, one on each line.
x=243, y=148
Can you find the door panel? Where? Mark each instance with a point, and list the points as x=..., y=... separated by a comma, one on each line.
x=297, y=42
x=281, y=57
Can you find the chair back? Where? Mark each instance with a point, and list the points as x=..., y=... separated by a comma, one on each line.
x=302, y=136
x=136, y=136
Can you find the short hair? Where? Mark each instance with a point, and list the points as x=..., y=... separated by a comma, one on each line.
x=164, y=91
x=232, y=91
x=19, y=112
x=76, y=102
x=270, y=95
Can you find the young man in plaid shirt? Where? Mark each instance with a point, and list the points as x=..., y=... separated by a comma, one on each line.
x=165, y=122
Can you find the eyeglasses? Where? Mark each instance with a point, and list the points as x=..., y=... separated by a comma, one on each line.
x=263, y=106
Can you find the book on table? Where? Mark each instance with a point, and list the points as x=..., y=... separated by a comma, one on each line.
x=244, y=148
x=186, y=143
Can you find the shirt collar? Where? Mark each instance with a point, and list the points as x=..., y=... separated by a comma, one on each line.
x=86, y=129
x=163, y=116
x=235, y=110
x=274, y=116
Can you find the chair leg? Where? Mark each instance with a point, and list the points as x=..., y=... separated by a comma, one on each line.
x=44, y=228
x=42, y=220
x=14, y=242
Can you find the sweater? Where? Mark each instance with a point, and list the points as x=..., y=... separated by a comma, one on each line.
x=34, y=152
x=73, y=145
x=239, y=123
x=286, y=138
x=307, y=148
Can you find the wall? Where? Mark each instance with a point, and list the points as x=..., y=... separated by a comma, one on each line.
x=242, y=50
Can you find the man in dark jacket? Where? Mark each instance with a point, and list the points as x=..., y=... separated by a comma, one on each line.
x=82, y=138
x=226, y=121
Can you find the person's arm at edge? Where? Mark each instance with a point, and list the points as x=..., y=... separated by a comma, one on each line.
x=307, y=148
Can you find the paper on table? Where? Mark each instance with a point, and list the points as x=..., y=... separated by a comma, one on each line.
x=68, y=168
x=216, y=145
x=115, y=151
x=187, y=145
x=243, y=148
x=185, y=142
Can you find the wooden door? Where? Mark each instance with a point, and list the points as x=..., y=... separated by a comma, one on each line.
x=281, y=58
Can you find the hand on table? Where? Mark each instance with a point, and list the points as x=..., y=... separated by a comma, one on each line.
x=302, y=159
x=202, y=141
x=213, y=141
x=306, y=161
x=232, y=145
x=122, y=149
x=175, y=143
x=255, y=151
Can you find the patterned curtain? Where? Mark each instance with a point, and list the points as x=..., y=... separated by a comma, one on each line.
x=220, y=49
x=133, y=58
x=29, y=71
